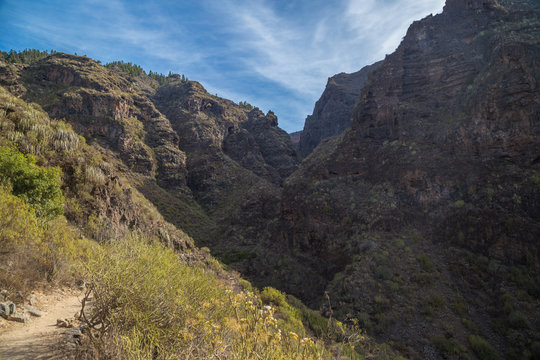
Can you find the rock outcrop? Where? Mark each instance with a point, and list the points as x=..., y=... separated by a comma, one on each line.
x=333, y=111
x=103, y=107
x=236, y=161
x=441, y=159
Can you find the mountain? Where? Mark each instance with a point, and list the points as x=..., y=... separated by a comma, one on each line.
x=424, y=214
x=415, y=217
x=89, y=212
x=333, y=111
x=191, y=153
x=295, y=138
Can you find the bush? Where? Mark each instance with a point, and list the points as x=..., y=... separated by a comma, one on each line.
x=449, y=347
x=482, y=348
x=18, y=224
x=34, y=251
x=37, y=186
x=425, y=262
x=147, y=304
x=289, y=317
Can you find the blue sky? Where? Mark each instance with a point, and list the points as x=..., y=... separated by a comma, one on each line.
x=276, y=55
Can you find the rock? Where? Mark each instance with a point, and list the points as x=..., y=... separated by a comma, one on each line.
x=367, y=246
x=441, y=141
x=74, y=332
x=33, y=311
x=19, y=317
x=333, y=111
x=32, y=300
x=7, y=308
x=64, y=323
x=73, y=336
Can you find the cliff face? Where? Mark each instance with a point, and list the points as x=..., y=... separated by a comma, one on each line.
x=236, y=161
x=419, y=217
x=102, y=106
x=440, y=166
x=212, y=167
x=333, y=111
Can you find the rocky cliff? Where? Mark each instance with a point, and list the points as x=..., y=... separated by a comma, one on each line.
x=418, y=215
x=333, y=111
x=212, y=167
x=434, y=187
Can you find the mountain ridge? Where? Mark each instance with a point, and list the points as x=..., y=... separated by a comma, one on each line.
x=419, y=220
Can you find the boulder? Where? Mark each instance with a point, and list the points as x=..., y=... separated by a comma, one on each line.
x=7, y=308
x=33, y=311
x=19, y=317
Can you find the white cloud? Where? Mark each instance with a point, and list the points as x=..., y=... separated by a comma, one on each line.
x=386, y=22
x=288, y=49
x=300, y=55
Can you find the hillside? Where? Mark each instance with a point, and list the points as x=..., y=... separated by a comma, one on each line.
x=414, y=217
x=71, y=215
x=422, y=218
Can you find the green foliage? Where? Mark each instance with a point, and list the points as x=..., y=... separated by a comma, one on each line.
x=150, y=305
x=17, y=221
x=160, y=78
x=425, y=262
x=289, y=317
x=245, y=105
x=448, y=347
x=459, y=308
x=518, y=320
x=482, y=348
x=469, y=324
x=38, y=186
x=129, y=68
x=33, y=251
x=235, y=256
x=27, y=56
x=136, y=70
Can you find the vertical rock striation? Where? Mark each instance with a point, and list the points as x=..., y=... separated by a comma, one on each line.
x=332, y=113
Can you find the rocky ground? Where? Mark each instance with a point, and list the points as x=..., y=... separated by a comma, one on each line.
x=43, y=337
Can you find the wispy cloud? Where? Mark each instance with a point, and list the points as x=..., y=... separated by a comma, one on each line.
x=276, y=55
x=385, y=22
x=300, y=55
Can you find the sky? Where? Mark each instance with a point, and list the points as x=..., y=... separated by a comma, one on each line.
x=276, y=55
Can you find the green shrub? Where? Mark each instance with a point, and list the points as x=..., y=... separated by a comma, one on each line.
x=469, y=324
x=518, y=320
x=482, y=348
x=449, y=347
x=38, y=186
x=425, y=262
x=18, y=223
x=289, y=317
x=147, y=302
x=34, y=251
x=459, y=308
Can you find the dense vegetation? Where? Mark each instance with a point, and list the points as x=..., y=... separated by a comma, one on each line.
x=136, y=70
x=27, y=56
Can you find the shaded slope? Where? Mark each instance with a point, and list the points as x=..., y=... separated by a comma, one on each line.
x=333, y=111
x=439, y=167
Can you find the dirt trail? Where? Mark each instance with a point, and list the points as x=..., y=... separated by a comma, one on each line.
x=39, y=338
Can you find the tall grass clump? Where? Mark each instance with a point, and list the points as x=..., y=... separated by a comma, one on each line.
x=147, y=304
